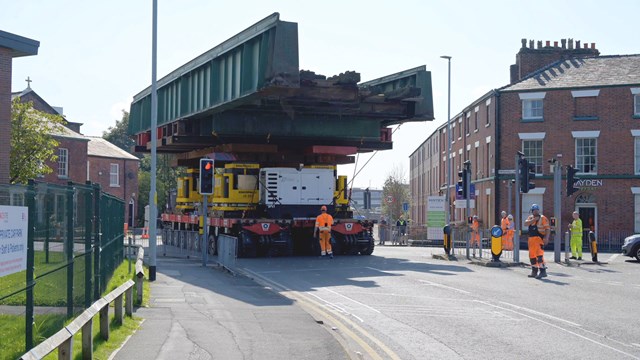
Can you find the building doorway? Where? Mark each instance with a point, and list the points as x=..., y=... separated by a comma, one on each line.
x=588, y=210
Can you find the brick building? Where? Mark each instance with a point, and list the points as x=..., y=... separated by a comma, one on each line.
x=82, y=158
x=11, y=46
x=115, y=170
x=564, y=102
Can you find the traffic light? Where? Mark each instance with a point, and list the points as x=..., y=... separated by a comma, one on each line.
x=571, y=179
x=367, y=199
x=462, y=183
x=206, y=177
x=527, y=174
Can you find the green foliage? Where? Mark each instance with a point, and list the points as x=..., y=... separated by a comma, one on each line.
x=118, y=136
x=396, y=187
x=166, y=180
x=32, y=141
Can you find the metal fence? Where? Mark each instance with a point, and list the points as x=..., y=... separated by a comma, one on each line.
x=416, y=235
x=227, y=250
x=74, y=243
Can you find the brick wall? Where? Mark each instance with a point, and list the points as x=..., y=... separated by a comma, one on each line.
x=615, y=149
x=5, y=113
x=77, y=162
x=127, y=188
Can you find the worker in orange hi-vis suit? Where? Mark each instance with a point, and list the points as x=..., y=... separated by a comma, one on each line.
x=507, y=241
x=538, y=237
x=323, y=231
x=475, y=234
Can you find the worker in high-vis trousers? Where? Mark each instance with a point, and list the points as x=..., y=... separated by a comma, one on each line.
x=475, y=234
x=576, y=236
x=538, y=237
x=507, y=238
x=322, y=230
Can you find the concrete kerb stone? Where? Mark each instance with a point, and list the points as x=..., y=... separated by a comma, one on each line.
x=487, y=263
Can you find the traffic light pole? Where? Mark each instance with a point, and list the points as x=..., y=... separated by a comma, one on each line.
x=467, y=184
x=557, y=209
x=516, y=236
x=205, y=233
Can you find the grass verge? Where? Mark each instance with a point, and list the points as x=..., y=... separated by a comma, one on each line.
x=12, y=327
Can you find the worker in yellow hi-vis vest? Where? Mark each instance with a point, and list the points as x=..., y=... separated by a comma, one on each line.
x=576, y=236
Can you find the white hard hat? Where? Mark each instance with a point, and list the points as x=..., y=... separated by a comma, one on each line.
x=510, y=217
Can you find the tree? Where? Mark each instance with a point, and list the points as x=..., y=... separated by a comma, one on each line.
x=33, y=144
x=118, y=135
x=396, y=187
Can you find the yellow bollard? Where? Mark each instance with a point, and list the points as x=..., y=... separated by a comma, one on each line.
x=447, y=239
x=496, y=243
x=594, y=246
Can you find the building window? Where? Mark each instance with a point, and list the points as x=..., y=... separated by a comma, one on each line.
x=114, y=175
x=63, y=163
x=476, y=121
x=532, y=109
x=637, y=155
x=532, y=150
x=487, y=124
x=636, y=103
x=586, y=152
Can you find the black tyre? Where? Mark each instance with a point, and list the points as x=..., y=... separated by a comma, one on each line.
x=638, y=253
x=369, y=249
x=213, y=245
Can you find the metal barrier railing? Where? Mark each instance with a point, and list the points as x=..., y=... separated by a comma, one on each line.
x=227, y=251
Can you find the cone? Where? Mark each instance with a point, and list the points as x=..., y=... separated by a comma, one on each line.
x=145, y=233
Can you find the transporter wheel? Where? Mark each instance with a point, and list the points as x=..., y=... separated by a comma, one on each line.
x=369, y=249
x=638, y=253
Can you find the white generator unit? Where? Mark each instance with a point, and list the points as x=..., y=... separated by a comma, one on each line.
x=289, y=186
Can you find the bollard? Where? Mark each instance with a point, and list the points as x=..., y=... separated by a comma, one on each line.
x=496, y=243
x=447, y=239
x=567, y=247
x=594, y=246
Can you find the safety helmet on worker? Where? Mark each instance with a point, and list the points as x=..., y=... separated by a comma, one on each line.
x=535, y=207
x=510, y=217
x=475, y=216
x=323, y=208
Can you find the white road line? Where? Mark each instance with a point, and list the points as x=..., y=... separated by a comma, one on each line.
x=534, y=312
x=634, y=344
x=350, y=299
x=443, y=286
x=565, y=330
x=613, y=257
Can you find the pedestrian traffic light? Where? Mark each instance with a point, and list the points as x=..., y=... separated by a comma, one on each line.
x=527, y=174
x=571, y=179
x=206, y=177
x=462, y=183
x=367, y=199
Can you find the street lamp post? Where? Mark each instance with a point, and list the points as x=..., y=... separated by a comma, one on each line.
x=448, y=175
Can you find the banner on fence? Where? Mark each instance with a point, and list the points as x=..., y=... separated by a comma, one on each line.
x=435, y=217
x=13, y=239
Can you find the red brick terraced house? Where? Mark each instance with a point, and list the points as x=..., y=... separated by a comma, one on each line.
x=565, y=103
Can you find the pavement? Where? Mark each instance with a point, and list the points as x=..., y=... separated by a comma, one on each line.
x=201, y=312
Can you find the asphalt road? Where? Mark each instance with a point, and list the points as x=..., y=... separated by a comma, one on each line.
x=400, y=303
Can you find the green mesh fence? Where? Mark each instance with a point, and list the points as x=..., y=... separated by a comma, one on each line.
x=74, y=244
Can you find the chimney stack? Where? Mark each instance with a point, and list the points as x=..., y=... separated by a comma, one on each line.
x=531, y=59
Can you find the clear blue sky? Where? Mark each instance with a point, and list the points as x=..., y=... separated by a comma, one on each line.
x=94, y=56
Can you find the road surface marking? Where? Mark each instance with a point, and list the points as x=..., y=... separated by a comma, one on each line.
x=564, y=329
x=311, y=306
x=350, y=299
x=443, y=286
x=537, y=313
x=613, y=257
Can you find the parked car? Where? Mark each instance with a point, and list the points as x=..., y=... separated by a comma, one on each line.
x=631, y=246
